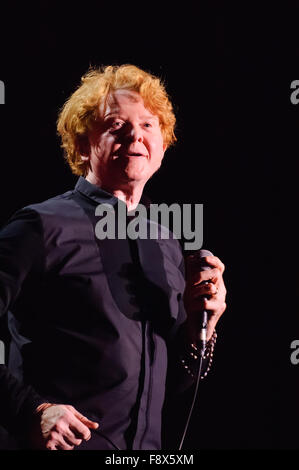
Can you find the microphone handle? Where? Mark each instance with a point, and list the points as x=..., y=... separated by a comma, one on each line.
x=202, y=337
x=203, y=332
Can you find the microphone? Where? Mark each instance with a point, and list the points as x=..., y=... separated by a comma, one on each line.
x=197, y=257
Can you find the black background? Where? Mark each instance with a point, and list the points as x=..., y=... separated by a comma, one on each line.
x=228, y=69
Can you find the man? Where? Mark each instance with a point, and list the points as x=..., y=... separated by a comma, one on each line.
x=99, y=323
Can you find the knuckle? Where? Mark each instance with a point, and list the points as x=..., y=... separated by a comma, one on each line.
x=67, y=412
x=223, y=307
x=52, y=435
x=58, y=427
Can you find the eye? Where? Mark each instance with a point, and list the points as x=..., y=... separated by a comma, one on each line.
x=117, y=124
x=147, y=124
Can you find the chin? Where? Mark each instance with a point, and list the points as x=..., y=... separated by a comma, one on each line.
x=136, y=175
x=135, y=179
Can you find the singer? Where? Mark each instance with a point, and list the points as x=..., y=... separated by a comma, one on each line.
x=104, y=332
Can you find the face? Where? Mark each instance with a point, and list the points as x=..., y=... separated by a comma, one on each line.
x=127, y=146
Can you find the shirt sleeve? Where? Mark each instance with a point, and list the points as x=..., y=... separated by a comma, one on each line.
x=21, y=253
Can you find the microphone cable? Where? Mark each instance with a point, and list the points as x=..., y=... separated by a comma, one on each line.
x=193, y=401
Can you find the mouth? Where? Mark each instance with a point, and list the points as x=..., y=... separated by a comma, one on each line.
x=130, y=155
x=134, y=154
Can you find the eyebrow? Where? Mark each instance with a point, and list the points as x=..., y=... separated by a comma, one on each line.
x=115, y=113
x=149, y=117
x=109, y=115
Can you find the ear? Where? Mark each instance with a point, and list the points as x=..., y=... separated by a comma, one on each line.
x=84, y=147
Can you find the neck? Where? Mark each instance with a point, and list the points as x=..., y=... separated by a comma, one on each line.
x=130, y=193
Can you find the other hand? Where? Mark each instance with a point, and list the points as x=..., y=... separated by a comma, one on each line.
x=61, y=427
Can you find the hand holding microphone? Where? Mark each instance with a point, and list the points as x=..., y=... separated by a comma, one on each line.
x=204, y=296
x=204, y=300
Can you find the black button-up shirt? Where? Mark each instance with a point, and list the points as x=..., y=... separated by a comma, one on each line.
x=94, y=320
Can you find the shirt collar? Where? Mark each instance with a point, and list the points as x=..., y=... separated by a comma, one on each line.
x=97, y=194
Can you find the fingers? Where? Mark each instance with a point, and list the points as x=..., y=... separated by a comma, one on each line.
x=213, y=275
x=214, y=306
x=63, y=427
x=79, y=429
x=61, y=437
x=87, y=422
x=215, y=262
x=207, y=296
x=195, y=276
x=194, y=264
x=58, y=442
x=204, y=289
x=71, y=438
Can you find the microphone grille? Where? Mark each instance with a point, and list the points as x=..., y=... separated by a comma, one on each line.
x=195, y=258
x=204, y=253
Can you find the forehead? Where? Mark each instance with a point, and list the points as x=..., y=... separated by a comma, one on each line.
x=120, y=100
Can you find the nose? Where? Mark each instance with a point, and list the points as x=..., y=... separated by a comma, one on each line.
x=134, y=133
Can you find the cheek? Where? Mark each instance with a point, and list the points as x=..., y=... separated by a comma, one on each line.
x=157, y=151
x=101, y=147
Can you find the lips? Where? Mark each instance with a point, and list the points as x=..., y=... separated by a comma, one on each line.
x=131, y=154
x=134, y=154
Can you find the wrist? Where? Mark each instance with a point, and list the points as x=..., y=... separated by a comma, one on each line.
x=41, y=408
x=191, y=355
